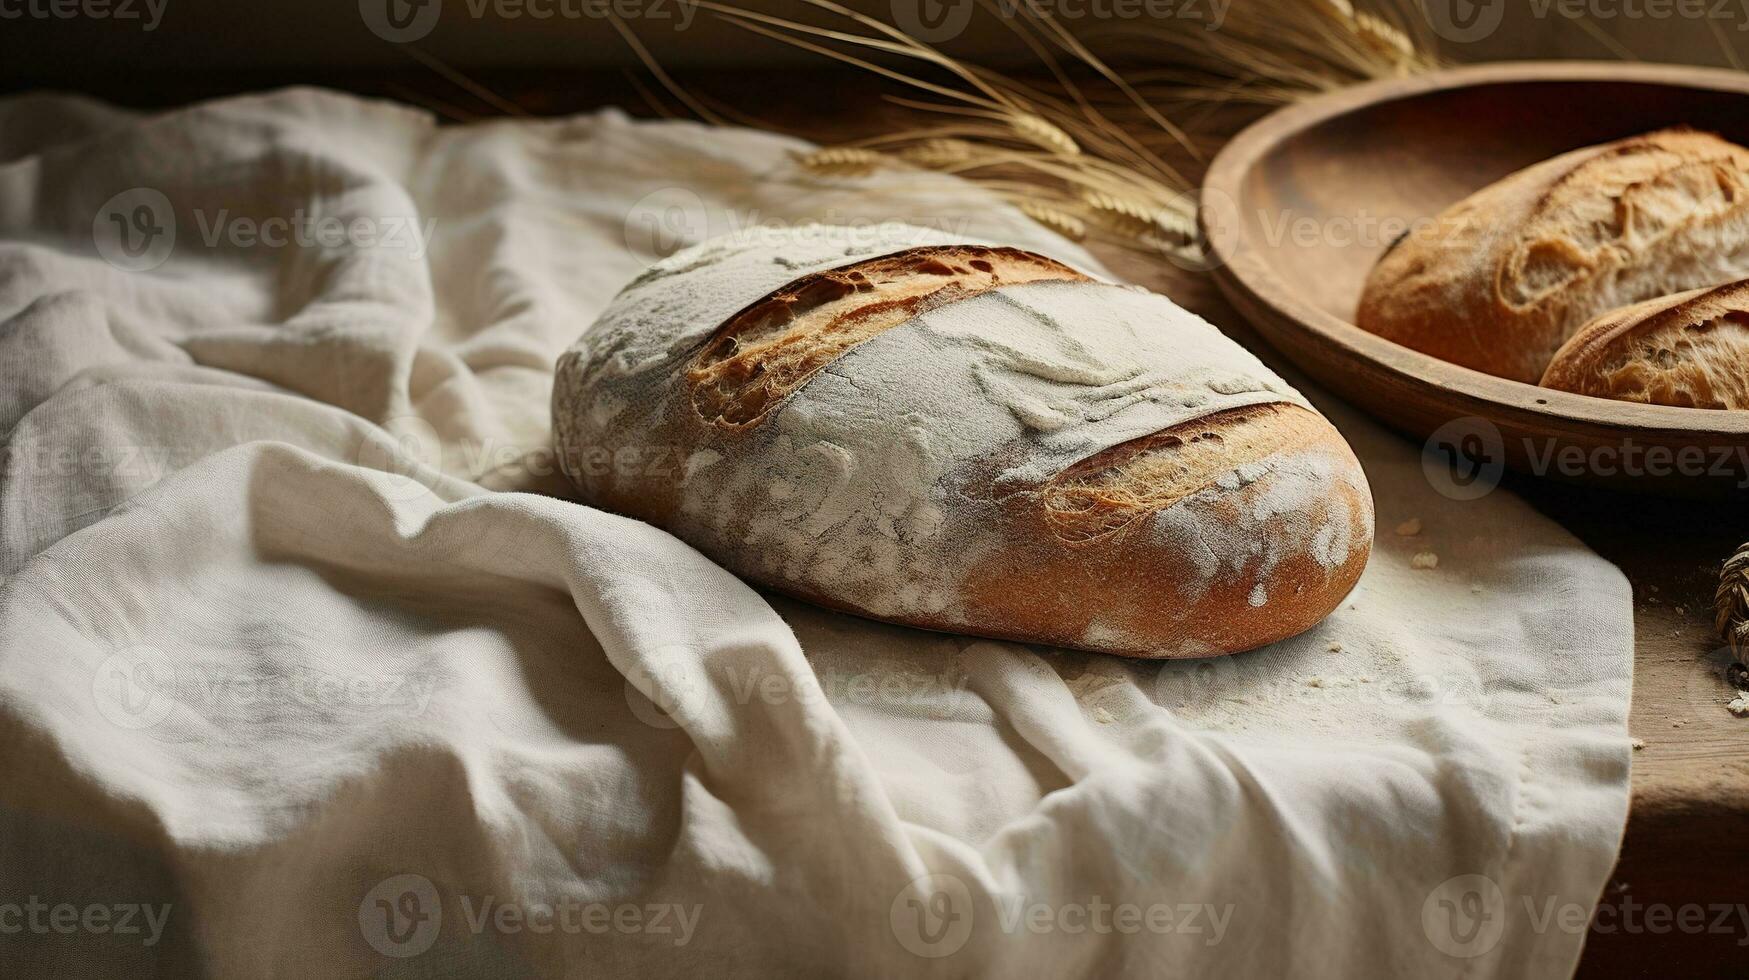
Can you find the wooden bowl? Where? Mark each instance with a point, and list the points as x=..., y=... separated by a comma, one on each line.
x=1299, y=206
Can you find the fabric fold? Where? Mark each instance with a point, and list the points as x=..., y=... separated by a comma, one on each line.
x=318, y=684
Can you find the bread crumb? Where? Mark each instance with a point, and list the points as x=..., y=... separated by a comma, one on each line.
x=1638, y=744
x=1334, y=647
x=1409, y=528
x=1425, y=559
x=1739, y=706
x=1314, y=682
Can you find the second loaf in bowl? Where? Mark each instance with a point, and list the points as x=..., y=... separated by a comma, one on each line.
x=961, y=436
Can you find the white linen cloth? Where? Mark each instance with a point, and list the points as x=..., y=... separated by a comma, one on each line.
x=284, y=670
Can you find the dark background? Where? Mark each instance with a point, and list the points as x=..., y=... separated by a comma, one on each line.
x=142, y=52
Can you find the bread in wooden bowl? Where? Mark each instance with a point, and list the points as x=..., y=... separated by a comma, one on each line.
x=1690, y=350
x=963, y=437
x=1500, y=280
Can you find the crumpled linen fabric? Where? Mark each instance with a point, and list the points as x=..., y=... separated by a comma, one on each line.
x=307, y=667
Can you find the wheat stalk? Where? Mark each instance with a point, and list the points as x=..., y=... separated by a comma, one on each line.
x=1125, y=213
x=1059, y=221
x=1372, y=30
x=1040, y=132
x=1274, y=52
x=1731, y=603
x=841, y=161
x=938, y=153
x=1088, y=158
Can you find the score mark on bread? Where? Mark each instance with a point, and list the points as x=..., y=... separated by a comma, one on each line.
x=1109, y=493
x=775, y=346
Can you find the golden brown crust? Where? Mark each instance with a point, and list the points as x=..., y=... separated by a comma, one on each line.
x=773, y=347
x=1111, y=492
x=1689, y=350
x=1501, y=279
x=1214, y=564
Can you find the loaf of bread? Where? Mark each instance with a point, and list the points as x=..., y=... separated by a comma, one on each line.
x=1500, y=280
x=963, y=437
x=1689, y=350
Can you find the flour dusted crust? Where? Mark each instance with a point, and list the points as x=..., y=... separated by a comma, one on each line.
x=1504, y=277
x=1690, y=350
x=958, y=436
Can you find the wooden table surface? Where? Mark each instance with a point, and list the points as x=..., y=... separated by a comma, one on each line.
x=1687, y=839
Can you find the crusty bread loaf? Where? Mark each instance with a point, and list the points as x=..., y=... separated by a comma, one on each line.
x=1504, y=277
x=964, y=437
x=1689, y=350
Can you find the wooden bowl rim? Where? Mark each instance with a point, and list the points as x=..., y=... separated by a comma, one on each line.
x=1244, y=266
